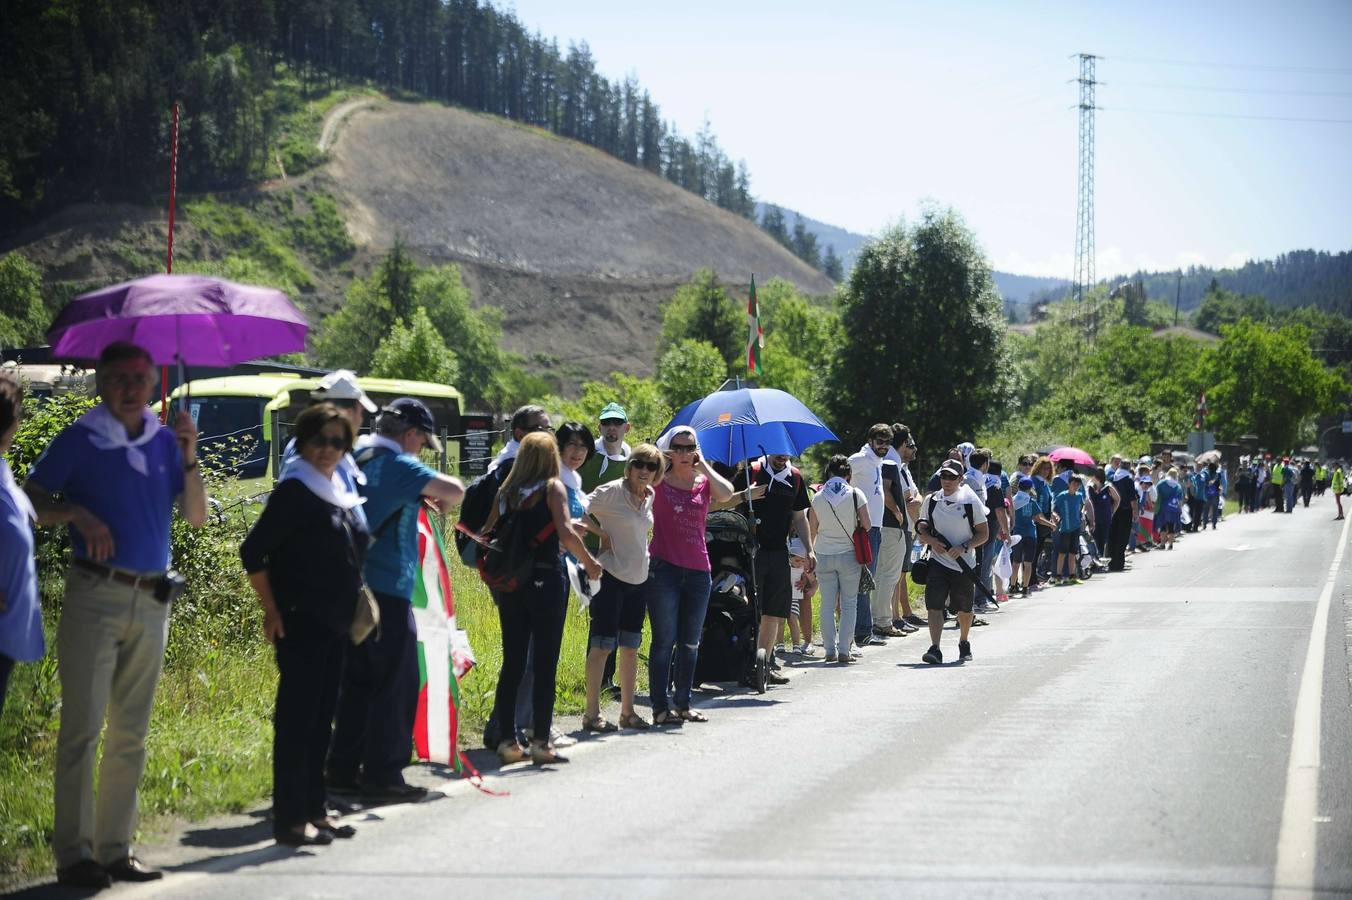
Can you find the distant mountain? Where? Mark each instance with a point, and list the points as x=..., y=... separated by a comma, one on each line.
x=1015, y=289
x=847, y=243
x=1298, y=278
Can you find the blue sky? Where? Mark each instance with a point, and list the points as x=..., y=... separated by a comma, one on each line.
x=856, y=113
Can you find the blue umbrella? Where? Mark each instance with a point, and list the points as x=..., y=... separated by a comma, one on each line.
x=740, y=424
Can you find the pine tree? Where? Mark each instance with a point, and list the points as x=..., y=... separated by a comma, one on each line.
x=772, y=223
x=804, y=243
x=832, y=267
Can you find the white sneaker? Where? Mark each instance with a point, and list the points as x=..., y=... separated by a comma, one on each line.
x=856, y=653
x=556, y=737
x=806, y=649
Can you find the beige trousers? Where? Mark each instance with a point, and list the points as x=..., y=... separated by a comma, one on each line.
x=110, y=649
x=891, y=560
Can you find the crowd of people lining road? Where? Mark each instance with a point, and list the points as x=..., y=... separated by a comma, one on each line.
x=628, y=520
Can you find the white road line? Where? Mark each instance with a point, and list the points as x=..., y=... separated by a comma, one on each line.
x=1293, y=876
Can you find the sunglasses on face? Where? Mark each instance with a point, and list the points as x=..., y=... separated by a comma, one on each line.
x=647, y=465
x=682, y=448
x=334, y=443
x=575, y=445
x=948, y=476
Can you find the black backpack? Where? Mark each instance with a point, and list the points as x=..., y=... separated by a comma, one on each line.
x=507, y=559
x=474, y=511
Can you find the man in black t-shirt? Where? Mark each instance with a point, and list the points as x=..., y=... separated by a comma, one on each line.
x=997, y=522
x=781, y=509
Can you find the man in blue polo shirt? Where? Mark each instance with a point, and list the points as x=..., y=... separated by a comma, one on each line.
x=378, y=700
x=121, y=473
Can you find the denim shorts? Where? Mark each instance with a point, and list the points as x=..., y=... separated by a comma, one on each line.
x=617, y=613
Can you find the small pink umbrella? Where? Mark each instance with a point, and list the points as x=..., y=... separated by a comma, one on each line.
x=1074, y=454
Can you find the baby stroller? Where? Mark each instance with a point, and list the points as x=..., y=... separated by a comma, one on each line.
x=727, y=649
x=1085, y=558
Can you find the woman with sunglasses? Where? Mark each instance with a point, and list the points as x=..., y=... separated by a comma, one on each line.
x=304, y=557
x=678, y=574
x=624, y=509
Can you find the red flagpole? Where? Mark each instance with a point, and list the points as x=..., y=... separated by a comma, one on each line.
x=169, y=258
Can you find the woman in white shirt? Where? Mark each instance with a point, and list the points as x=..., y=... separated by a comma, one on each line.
x=624, y=509
x=839, y=509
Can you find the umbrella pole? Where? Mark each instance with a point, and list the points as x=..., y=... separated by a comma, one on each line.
x=169, y=258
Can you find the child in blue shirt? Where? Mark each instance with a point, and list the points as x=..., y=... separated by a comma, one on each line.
x=1068, y=507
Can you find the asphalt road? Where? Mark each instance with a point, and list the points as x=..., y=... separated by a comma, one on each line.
x=1129, y=737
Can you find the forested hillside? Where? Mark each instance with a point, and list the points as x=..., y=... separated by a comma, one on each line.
x=1298, y=278
x=88, y=84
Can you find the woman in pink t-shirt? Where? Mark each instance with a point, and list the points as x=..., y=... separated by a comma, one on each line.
x=678, y=572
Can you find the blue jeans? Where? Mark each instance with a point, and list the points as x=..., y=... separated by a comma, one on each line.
x=1289, y=489
x=863, y=617
x=678, y=598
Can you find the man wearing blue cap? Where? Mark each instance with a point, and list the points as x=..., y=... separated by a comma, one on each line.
x=373, y=731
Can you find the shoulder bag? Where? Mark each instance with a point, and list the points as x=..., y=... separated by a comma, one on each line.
x=863, y=549
x=366, y=614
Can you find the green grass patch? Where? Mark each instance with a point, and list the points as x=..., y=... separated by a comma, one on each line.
x=255, y=248
x=300, y=120
x=321, y=232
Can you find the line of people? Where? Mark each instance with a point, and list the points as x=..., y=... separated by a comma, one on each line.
x=567, y=512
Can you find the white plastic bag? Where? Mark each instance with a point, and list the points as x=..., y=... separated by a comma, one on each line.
x=1184, y=516
x=1003, y=568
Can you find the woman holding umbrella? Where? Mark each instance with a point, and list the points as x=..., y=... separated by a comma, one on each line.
x=678, y=573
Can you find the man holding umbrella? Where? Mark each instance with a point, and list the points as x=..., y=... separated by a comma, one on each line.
x=121, y=473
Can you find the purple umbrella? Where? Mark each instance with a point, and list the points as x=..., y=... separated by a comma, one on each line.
x=188, y=319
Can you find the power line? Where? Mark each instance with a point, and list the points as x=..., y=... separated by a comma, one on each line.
x=1214, y=115
x=1261, y=67
x=1226, y=90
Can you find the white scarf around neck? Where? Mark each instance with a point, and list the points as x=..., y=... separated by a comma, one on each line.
x=332, y=490
x=783, y=476
x=836, y=489
x=107, y=433
x=570, y=478
x=607, y=459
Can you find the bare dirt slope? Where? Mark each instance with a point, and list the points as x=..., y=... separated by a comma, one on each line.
x=577, y=248
x=486, y=189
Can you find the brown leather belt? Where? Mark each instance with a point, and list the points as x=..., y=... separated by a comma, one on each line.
x=121, y=577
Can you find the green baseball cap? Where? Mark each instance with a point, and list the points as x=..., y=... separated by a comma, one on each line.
x=613, y=411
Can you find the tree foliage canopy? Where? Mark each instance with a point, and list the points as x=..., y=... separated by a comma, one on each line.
x=690, y=370
x=23, y=318
x=701, y=310
x=922, y=336
x=349, y=338
x=416, y=352
x=1266, y=382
